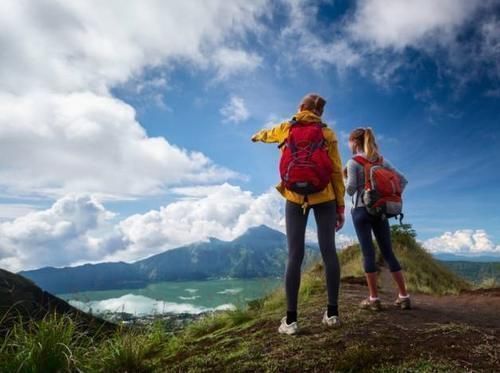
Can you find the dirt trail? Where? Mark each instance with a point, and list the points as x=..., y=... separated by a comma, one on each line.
x=476, y=308
x=462, y=330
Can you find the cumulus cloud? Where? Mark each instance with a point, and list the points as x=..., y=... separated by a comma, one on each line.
x=10, y=211
x=465, y=242
x=62, y=131
x=76, y=227
x=91, y=45
x=82, y=142
x=222, y=211
x=400, y=24
x=235, y=110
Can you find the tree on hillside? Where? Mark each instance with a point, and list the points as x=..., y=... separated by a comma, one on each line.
x=403, y=232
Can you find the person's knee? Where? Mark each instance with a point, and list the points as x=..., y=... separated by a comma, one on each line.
x=328, y=251
x=391, y=260
x=369, y=264
x=331, y=263
x=394, y=265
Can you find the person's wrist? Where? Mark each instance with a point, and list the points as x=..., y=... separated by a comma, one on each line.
x=340, y=210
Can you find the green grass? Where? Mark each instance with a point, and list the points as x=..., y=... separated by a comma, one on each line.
x=219, y=321
x=419, y=366
x=50, y=345
x=58, y=344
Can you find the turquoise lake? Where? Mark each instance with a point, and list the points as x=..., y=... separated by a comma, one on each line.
x=175, y=297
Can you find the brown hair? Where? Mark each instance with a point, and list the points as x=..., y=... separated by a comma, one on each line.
x=365, y=138
x=313, y=102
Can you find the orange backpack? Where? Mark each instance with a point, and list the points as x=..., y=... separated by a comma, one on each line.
x=382, y=193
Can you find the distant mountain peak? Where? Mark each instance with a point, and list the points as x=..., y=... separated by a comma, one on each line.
x=215, y=240
x=262, y=232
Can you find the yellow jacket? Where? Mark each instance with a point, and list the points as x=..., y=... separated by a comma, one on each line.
x=335, y=190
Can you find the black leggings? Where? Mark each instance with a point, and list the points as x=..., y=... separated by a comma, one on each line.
x=364, y=224
x=325, y=215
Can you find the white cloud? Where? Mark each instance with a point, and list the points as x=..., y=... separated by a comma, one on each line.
x=234, y=61
x=460, y=36
x=92, y=45
x=75, y=227
x=235, y=110
x=466, y=242
x=82, y=142
x=14, y=210
x=398, y=24
x=302, y=34
x=223, y=211
x=78, y=228
x=62, y=131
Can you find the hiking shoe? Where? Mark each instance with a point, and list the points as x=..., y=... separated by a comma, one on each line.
x=330, y=321
x=374, y=305
x=403, y=303
x=285, y=328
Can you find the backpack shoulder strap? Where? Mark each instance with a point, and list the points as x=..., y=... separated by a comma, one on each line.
x=366, y=167
x=293, y=122
x=361, y=160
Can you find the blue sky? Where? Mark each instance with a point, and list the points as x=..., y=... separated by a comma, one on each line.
x=149, y=115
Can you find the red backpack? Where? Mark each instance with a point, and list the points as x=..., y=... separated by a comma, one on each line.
x=382, y=193
x=305, y=166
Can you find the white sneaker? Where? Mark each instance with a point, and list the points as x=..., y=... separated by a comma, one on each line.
x=288, y=328
x=330, y=321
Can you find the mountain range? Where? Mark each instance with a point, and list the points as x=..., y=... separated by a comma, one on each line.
x=467, y=258
x=259, y=252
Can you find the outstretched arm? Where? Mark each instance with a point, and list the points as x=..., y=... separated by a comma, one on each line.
x=276, y=134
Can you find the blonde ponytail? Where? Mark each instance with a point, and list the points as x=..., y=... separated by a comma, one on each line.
x=369, y=145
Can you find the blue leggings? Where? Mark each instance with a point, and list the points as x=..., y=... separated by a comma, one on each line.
x=364, y=224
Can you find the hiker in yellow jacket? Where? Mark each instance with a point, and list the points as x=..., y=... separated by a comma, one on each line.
x=328, y=206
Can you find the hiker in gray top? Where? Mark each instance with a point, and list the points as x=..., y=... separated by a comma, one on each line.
x=362, y=142
x=355, y=183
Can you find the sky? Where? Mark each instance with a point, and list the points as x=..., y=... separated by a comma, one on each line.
x=125, y=127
